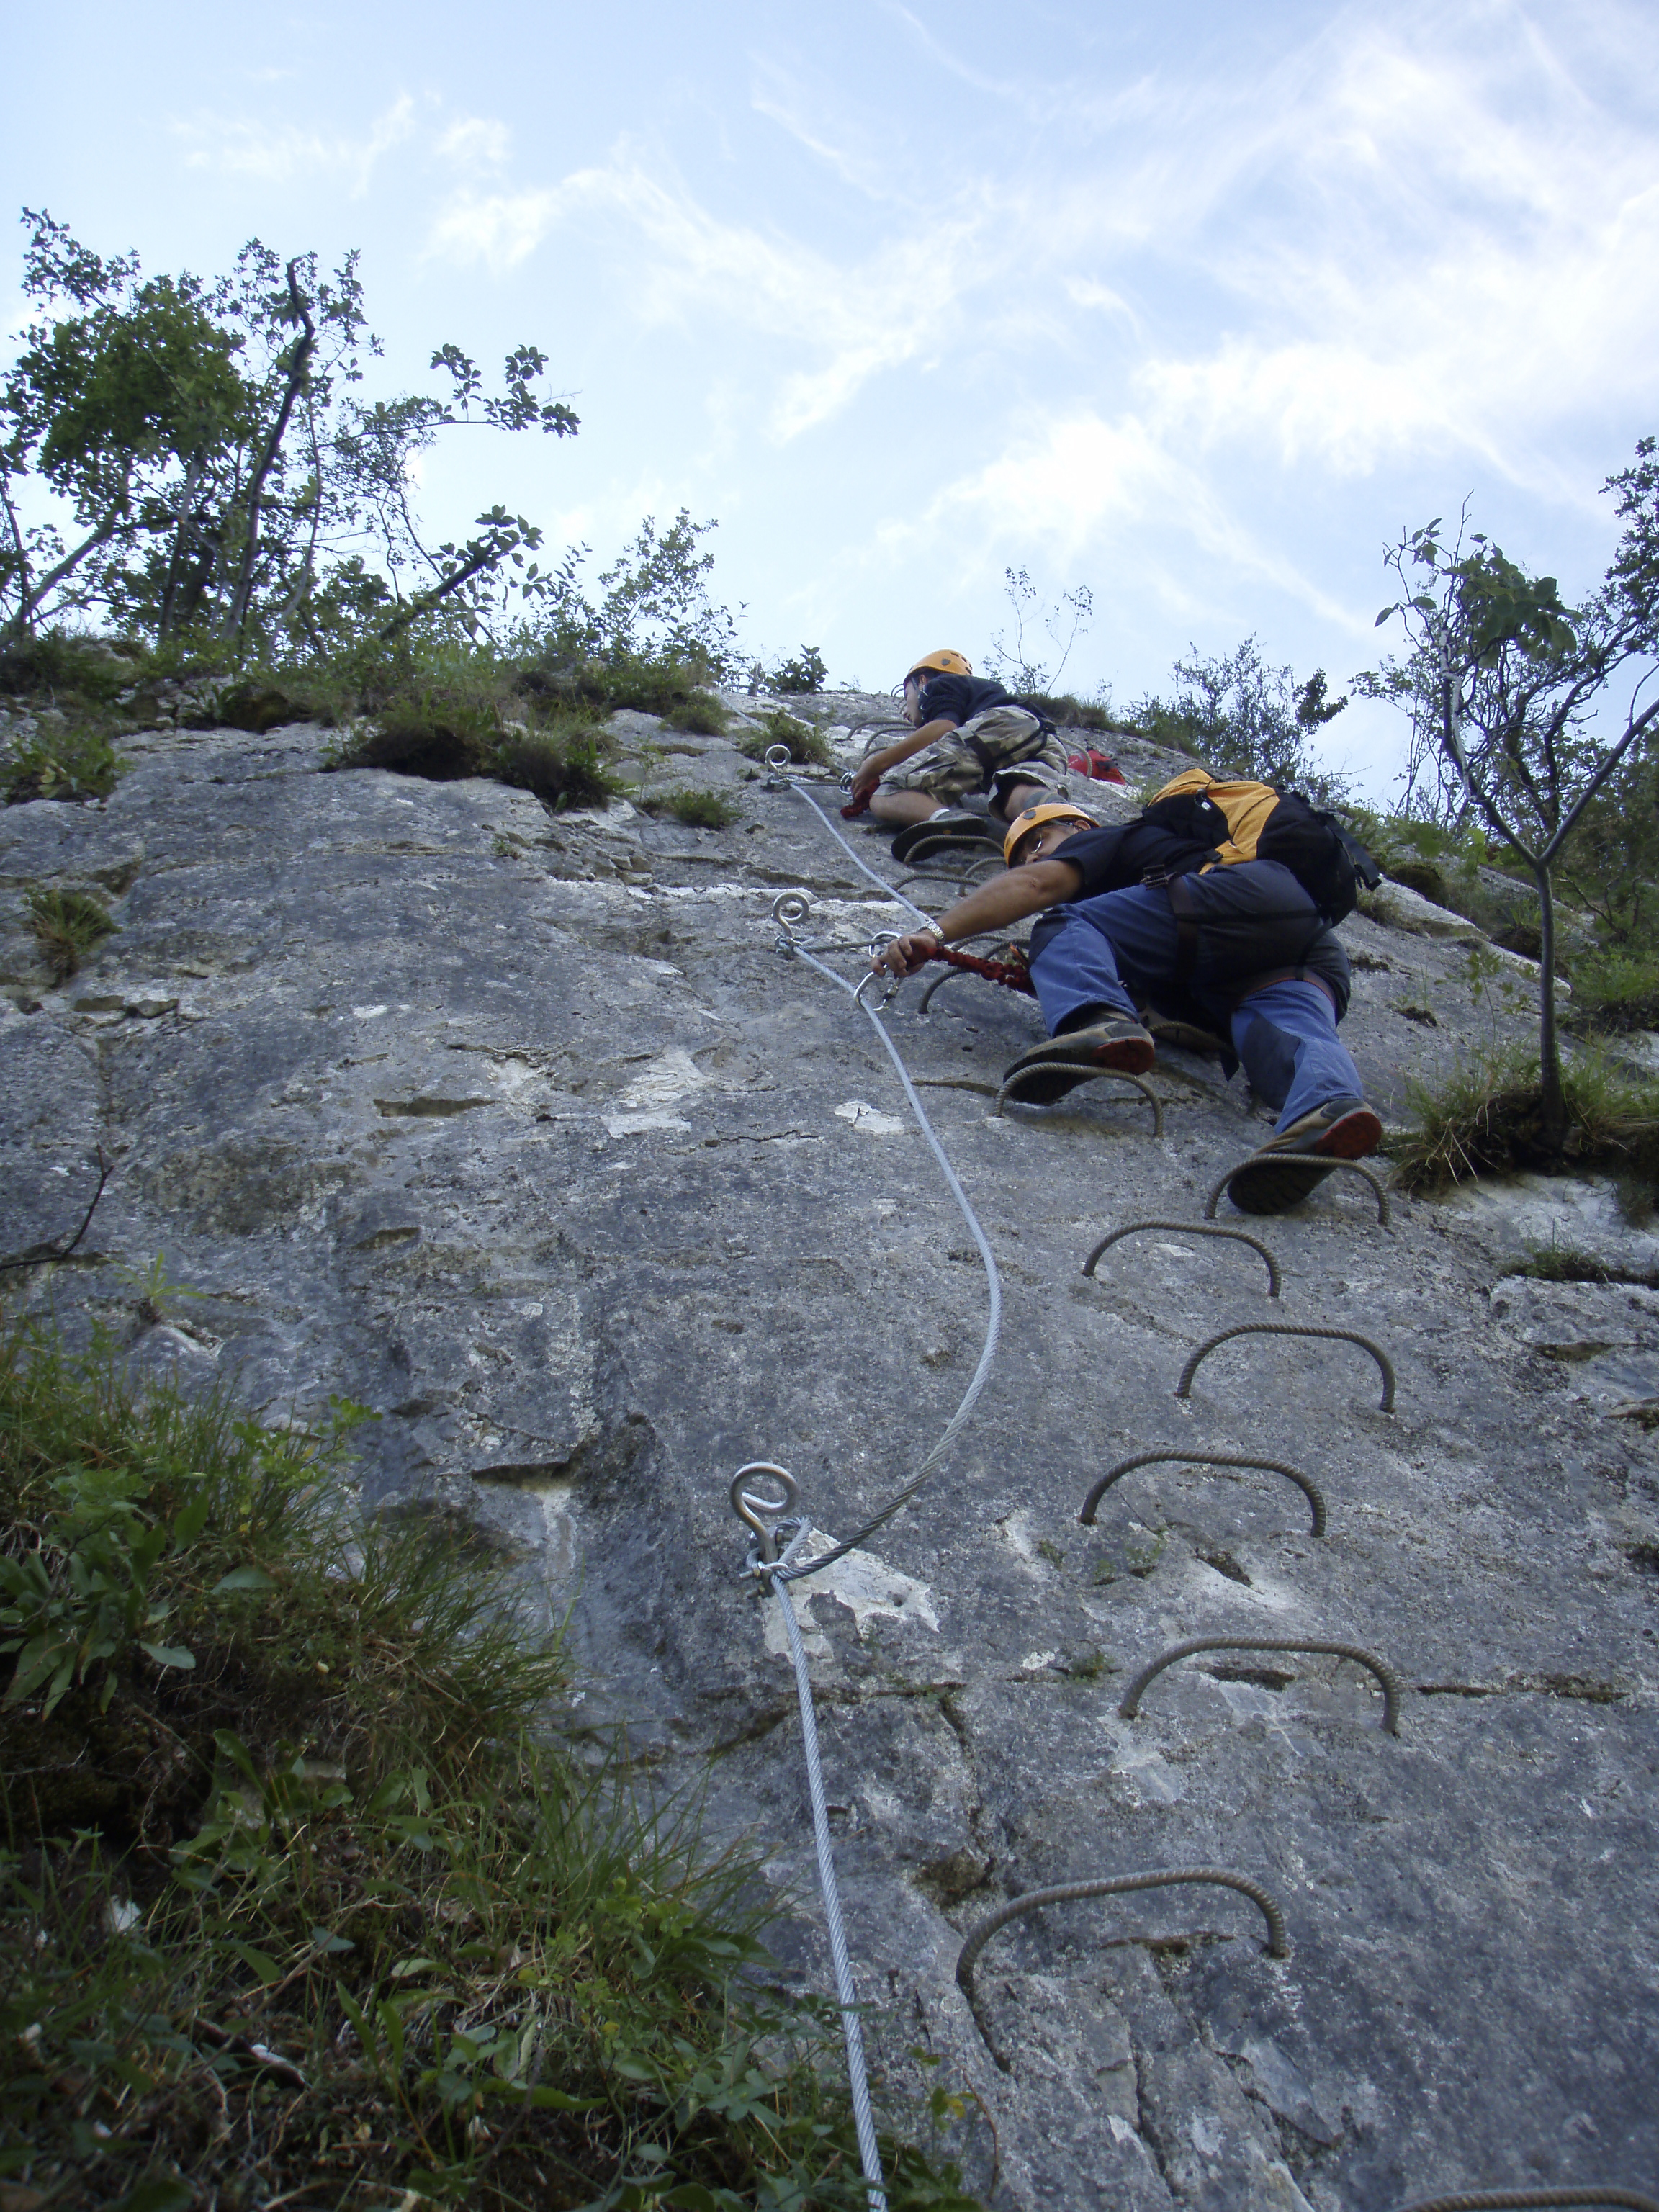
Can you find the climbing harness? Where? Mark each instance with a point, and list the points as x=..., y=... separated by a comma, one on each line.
x=1309, y=1490
x=1384, y=1673
x=1188, y=1229
x=1184, y=1388
x=1277, y=1158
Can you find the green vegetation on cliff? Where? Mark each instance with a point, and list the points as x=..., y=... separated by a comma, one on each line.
x=306, y=1888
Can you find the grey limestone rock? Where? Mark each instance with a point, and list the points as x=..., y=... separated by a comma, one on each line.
x=520, y=1129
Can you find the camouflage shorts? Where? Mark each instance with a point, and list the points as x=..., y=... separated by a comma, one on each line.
x=999, y=749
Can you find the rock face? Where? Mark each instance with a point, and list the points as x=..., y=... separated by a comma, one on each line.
x=519, y=1130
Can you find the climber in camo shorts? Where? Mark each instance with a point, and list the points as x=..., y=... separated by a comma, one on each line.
x=971, y=736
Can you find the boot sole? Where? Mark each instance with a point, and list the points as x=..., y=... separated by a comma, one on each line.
x=1131, y=1056
x=1274, y=1185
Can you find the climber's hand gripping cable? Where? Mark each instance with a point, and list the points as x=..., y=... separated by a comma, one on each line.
x=996, y=905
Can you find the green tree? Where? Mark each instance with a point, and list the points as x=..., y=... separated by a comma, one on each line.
x=1247, y=719
x=1524, y=710
x=221, y=474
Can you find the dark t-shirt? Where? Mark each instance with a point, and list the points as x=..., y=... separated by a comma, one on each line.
x=958, y=698
x=1112, y=860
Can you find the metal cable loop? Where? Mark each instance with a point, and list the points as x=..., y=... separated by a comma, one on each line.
x=1384, y=1211
x=1384, y=1673
x=1189, y=1228
x=880, y=882
x=1062, y=1893
x=1184, y=1388
x=901, y=1497
x=1086, y=1075
x=1501, y=2200
x=1310, y=1489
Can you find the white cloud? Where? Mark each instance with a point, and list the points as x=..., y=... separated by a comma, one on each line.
x=864, y=319
x=278, y=154
x=1086, y=487
x=477, y=141
x=502, y=228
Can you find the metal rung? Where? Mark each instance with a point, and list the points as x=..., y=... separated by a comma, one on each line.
x=1115, y=1886
x=1086, y=1075
x=1184, y=1388
x=1189, y=1228
x=1309, y=1490
x=1384, y=1673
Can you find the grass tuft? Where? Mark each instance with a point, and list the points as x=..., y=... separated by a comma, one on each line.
x=1615, y=992
x=1559, y=1263
x=807, y=747
x=1485, y=1118
x=71, y=760
x=699, y=715
x=303, y=1901
x=698, y=809
x=67, y=926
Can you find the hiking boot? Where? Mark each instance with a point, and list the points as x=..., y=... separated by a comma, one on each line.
x=948, y=827
x=1342, y=1129
x=1120, y=1046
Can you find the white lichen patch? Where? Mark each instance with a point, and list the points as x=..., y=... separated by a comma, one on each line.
x=649, y=1099
x=867, y=1586
x=870, y=1119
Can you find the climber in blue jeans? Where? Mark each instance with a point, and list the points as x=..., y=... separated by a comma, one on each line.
x=1240, y=945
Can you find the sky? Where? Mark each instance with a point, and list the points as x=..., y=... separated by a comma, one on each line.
x=1197, y=306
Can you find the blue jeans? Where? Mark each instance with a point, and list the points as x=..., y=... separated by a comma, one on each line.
x=1098, y=951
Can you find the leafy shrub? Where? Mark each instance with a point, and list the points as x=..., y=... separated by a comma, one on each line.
x=61, y=665
x=1615, y=991
x=803, y=673
x=562, y=764
x=1245, y=718
x=74, y=761
x=1066, y=712
x=296, y=1903
x=67, y=926
x=807, y=747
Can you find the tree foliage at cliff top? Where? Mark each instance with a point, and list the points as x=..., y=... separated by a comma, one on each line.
x=192, y=456
x=1524, y=710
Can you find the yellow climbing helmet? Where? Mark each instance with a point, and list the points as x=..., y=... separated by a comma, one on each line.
x=1033, y=818
x=943, y=663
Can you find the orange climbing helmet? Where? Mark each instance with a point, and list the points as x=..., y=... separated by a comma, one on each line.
x=1033, y=818
x=942, y=663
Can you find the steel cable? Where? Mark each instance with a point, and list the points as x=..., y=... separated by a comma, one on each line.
x=846, y=1993
x=900, y=1498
